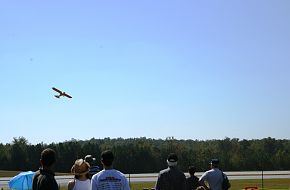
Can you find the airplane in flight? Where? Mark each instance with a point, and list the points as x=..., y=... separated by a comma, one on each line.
x=61, y=93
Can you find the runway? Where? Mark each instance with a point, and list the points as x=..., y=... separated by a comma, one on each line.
x=152, y=177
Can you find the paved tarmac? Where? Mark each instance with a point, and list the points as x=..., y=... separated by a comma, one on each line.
x=152, y=177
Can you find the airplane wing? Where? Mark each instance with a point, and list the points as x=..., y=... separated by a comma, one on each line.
x=67, y=95
x=55, y=89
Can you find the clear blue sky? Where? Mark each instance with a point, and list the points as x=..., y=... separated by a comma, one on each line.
x=188, y=69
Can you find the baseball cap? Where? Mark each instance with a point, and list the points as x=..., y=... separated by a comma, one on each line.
x=90, y=159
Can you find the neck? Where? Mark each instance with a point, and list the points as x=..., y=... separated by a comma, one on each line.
x=108, y=167
x=46, y=168
x=82, y=177
x=171, y=164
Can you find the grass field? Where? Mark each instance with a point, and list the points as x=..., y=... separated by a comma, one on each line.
x=275, y=184
x=269, y=184
x=4, y=173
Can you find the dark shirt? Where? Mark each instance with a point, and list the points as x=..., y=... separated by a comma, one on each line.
x=44, y=179
x=171, y=179
x=192, y=183
x=93, y=171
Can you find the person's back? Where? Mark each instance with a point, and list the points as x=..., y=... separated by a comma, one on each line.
x=171, y=178
x=44, y=179
x=192, y=181
x=93, y=167
x=109, y=178
x=82, y=185
x=213, y=177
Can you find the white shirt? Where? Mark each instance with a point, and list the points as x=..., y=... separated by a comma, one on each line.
x=82, y=185
x=214, y=178
x=109, y=180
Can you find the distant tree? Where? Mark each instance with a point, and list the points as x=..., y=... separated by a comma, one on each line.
x=142, y=155
x=18, y=153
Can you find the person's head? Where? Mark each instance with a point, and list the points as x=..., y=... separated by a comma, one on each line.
x=214, y=163
x=90, y=159
x=47, y=158
x=172, y=160
x=191, y=170
x=200, y=188
x=80, y=169
x=107, y=158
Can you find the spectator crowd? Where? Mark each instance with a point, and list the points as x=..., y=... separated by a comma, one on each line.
x=88, y=176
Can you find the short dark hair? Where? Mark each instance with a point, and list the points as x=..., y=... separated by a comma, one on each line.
x=172, y=157
x=214, y=162
x=191, y=170
x=48, y=157
x=107, y=157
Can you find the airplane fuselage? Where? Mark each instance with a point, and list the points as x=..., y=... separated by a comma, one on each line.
x=60, y=93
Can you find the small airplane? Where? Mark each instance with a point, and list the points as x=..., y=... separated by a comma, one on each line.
x=61, y=93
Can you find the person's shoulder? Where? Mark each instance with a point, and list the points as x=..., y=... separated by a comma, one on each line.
x=44, y=179
x=164, y=171
x=35, y=178
x=96, y=175
x=189, y=179
x=210, y=171
x=119, y=173
x=216, y=171
x=207, y=172
x=71, y=184
x=205, y=175
x=177, y=171
x=94, y=169
x=195, y=179
x=182, y=174
x=36, y=174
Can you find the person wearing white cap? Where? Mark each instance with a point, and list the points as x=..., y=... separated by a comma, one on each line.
x=93, y=167
x=171, y=178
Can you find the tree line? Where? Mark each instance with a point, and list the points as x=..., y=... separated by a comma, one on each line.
x=145, y=155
